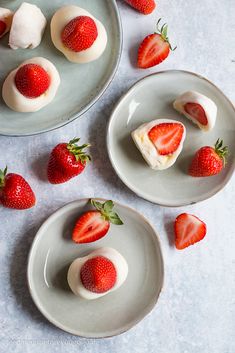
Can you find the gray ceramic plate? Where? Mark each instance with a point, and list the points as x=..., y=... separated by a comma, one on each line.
x=81, y=85
x=149, y=99
x=53, y=251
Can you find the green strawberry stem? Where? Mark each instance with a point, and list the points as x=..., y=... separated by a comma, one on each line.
x=106, y=210
x=78, y=152
x=3, y=173
x=221, y=150
x=163, y=32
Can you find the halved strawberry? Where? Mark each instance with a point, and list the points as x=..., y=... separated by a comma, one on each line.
x=154, y=48
x=166, y=137
x=98, y=274
x=144, y=6
x=32, y=80
x=196, y=111
x=3, y=27
x=188, y=230
x=80, y=33
x=94, y=224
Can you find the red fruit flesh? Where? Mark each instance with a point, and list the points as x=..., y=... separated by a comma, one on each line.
x=196, y=111
x=166, y=137
x=188, y=230
x=90, y=227
x=98, y=274
x=144, y=6
x=152, y=51
x=3, y=27
x=32, y=80
x=16, y=193
x=80, y=33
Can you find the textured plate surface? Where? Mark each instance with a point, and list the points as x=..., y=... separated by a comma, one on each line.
x=152, y=98
x=81, y=85
x=53, y=251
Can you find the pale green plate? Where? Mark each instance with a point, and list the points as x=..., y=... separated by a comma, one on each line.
x=151, y=98
x=53, y=251
x=81, y=85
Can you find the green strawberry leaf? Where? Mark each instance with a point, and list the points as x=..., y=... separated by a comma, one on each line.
x=106, y=210
x=108, y=206
x=97, y=205
x=115, y=219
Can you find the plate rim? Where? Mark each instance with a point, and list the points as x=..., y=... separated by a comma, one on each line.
x=31, y=257
x=96, y=98
x=133, y=189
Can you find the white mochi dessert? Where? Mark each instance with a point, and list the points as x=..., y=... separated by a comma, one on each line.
x=27, y=28
x=71, y=29
x=101, y=272
x=198, y=108
x=31, y=86
x=160, y=142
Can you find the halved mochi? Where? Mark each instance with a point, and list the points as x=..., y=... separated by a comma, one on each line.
x=5, y=20
x=27, y=28
x=198, y=108
x=77, y=34
x=103, y=271
x=160, y=142
x=31, y=86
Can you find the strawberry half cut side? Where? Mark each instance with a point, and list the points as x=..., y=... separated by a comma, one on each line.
x=3, y=27
x=166, y=137
x=196, y=111
x=189, y=230
x=94, y=224
x=154, y=48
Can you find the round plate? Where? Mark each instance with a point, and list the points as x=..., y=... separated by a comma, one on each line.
x=81, y=85
x=152, y=98
x=53, y=251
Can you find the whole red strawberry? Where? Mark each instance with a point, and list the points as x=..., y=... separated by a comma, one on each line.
x=144, y=6
x=94, y=224
x=15, y=192
x=32, y=80
x=209, y=160
x=80, y=33
x=67, y=160
x=98, y=274
x=154, y=48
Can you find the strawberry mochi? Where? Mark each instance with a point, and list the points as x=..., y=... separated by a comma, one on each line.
x=27, y=28
x=160, y=142
x=97, y=274
x=31, y=86
x=77, y=34
x=198, y=108
x=5, y=21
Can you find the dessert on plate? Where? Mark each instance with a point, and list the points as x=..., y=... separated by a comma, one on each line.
x=198, y=108
x=31, y=86
x=160, y=142
x=77, y=34
x=5, y=20
x=101, y=272
x=27, y=28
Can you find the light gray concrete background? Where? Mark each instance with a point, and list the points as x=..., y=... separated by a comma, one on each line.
x=196, y=311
